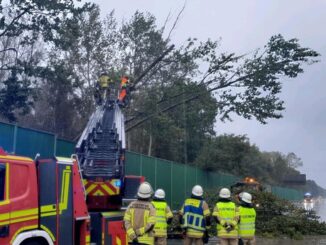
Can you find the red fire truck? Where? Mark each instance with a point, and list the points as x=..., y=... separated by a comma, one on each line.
x=43, y=202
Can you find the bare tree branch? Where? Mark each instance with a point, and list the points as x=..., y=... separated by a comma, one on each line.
x=166, y=21
x=14, y=20
x=177, y=19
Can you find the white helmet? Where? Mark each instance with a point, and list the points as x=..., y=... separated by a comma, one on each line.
x=240, y=194
x=246, y=197
x=145, y=190
x=160, y=194
x=225, y=193
x=197, y=191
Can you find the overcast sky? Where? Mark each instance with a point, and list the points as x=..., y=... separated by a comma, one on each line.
x=245, y=25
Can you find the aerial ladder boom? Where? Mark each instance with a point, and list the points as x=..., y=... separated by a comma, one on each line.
x=101, y=150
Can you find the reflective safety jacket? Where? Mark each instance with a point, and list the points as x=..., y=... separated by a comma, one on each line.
x=247, y=222
x=139, y=221
x=163, y=213
x=104, y=81
x=124, y=82
x=226, y=213
x=194, y=212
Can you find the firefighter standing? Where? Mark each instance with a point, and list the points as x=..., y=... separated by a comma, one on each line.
x=163, y=217
x=102, y=88
x=124, y=87
x=140, y=217
x=247, y=220
x=227, y=216
x=195, y=217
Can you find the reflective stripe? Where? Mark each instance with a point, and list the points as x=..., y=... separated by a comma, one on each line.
x=146, y=240
x=9, y=157
x=127, y=217
x=104, y=188
x=48, y=231
x=206, y=212
x=130, y=232
x=132, y=215
x=118, y=241
x=141, y=231
x=88, y=239
x=194, y=233
x=151, y=220
x=18, y=216
x=63, y=205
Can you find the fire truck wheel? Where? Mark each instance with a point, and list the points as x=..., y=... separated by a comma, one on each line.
x=34, y=242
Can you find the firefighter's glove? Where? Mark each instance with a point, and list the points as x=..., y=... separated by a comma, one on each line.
x=223, y=223
x=184, y=232
x=131, y=234
x=229, y=228
x=206, y=237
x=140, y=231
x=240, y=242
x=233, y=223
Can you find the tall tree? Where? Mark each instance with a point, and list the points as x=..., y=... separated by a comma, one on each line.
x=236, y=155
x=247, y=85
x=24, y=25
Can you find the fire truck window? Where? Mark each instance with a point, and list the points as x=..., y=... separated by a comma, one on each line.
x=2, y=181
x=19, y=188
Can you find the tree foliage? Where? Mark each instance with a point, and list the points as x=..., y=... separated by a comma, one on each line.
x=14, y=94
x=234, y=154
x=26, y=28
x=173, y=109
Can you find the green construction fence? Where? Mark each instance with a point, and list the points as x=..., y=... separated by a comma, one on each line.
x=29, y=142
x=176, y=178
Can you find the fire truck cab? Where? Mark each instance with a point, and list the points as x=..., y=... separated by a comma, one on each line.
x=42, y=202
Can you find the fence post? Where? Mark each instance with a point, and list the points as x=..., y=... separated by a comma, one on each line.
x=141, y=164
x=185, y=174
x=171, y=184
x=15, y=139
x=155, y=174
x=55, y=145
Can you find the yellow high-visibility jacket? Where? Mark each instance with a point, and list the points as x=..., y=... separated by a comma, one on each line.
x=247, y=222
x=163, y=213
x=226, y=212
x=139, y=221
x=194, y=212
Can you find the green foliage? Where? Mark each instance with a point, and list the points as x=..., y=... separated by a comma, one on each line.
x=258, y=79
x=234, y=154
x=80, y=52
x=26, y=28
x=174, y=108
x=31, y=18
x=278, y=217
x=14, y=96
